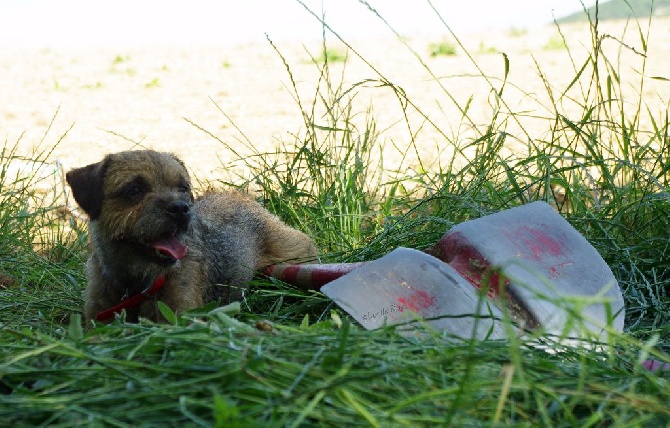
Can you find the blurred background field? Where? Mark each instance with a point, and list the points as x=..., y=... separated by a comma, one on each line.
x=112, y=93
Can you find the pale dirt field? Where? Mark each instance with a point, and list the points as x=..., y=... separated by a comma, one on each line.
x=114, y=98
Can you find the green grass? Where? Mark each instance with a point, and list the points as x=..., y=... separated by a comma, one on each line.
x=331, y=55
x=554, y=43
x=153, y=83
x=442, y=49
x=605, y=172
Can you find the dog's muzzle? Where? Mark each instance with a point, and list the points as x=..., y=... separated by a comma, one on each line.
x=180, y=212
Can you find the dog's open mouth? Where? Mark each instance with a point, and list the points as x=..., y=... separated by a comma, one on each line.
x=169, y=248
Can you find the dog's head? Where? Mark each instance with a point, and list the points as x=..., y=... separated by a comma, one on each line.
x=140, y=199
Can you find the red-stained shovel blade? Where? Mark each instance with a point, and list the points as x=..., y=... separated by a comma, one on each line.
x=554, y=272
x=408, y=285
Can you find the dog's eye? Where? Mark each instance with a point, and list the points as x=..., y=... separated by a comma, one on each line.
x=133, y=192
x=184, y=189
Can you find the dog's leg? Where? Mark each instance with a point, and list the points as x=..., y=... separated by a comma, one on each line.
x=283, y=244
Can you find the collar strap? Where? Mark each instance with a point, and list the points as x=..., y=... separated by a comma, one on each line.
x=132, y=301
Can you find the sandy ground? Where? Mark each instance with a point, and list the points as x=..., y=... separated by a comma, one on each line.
x=106, y=100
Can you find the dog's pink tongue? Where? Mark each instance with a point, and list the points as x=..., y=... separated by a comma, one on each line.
x=172, y=247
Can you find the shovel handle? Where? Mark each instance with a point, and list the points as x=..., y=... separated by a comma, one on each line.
x=310, y=276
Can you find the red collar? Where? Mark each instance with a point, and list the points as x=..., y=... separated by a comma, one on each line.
x=132, y=301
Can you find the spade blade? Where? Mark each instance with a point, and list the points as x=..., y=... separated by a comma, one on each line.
x=408, y=286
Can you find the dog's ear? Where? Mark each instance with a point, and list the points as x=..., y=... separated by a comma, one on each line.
x=86, y=185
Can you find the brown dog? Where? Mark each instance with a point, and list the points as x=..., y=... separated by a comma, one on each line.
x=151, y=241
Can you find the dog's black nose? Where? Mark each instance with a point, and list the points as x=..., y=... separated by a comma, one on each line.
x=179, y=211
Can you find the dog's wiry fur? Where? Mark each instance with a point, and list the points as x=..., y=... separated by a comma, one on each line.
x=144, y=222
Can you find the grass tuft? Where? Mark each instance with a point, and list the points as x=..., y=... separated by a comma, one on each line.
x=442, y=49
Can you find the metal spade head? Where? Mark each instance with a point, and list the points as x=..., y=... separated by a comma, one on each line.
x=409, y=286
x=535, y=264
x=552, y=271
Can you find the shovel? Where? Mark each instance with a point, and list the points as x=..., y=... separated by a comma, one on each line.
x=528, y=261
